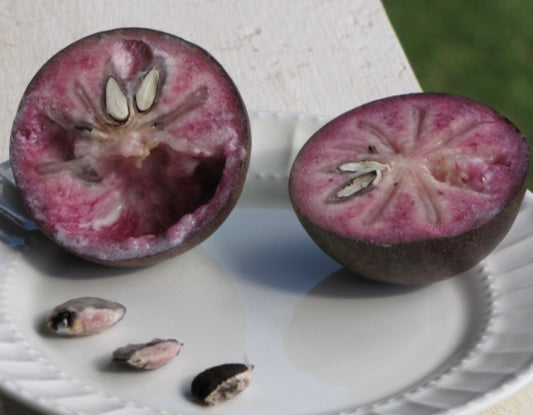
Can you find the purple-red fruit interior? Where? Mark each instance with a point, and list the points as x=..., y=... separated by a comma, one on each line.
x=449, y=165
x=108, y=188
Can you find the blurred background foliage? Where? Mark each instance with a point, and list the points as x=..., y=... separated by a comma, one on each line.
x=482, y=49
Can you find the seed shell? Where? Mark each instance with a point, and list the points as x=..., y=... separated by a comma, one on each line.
x=220, y=383
x=146, y=94
x=84, y=316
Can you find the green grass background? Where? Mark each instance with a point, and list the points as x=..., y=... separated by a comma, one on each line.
x=482, y=49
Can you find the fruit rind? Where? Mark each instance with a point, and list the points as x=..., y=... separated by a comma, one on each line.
x=419, y=262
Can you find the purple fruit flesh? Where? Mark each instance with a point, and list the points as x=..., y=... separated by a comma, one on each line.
x=130, y=146
x=411, y=189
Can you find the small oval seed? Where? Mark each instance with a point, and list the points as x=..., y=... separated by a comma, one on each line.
x=362, y=167
x=148, y=356
x=116, y=102
x=84, y=316
x=220, y=383
x=145, y=96
x=358, y=184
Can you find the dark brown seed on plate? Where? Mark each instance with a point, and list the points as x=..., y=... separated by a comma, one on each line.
x=84, y=316
x=220, y=383
x=151, y=355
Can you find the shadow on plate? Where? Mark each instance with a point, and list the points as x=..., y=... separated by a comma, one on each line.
x=345, y=284
x=41, y=327
x=297, y=265
x=105, y=364
x=52, y=260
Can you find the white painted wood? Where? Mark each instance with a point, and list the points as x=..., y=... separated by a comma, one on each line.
x=315, y=56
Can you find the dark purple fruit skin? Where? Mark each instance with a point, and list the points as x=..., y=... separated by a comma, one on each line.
x=200, y=234
x=420, y=262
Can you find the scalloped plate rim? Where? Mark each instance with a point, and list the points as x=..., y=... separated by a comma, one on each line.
x=30, y=398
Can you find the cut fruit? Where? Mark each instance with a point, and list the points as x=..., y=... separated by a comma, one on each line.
x=411, y=189
x=130, y=146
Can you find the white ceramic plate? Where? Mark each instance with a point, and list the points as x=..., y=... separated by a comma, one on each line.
x=260, y=291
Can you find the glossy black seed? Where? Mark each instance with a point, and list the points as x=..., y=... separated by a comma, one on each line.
x=222, y=382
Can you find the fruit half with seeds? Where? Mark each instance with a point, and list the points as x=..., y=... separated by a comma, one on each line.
x=411, y=189
x=130, y=146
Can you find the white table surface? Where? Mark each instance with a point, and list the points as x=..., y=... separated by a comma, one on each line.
x=312, y=56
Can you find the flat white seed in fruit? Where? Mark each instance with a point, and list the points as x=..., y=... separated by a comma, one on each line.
x=362, y=167
x=84, y=316
x=147, y=356
x=362, y=174
x=116, y=103
x=356, y=185
x=220, y=383
x=146, y=94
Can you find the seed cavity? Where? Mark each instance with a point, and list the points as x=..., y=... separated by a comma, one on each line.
x=146, y=94
x=116, y=103
x=124, y=124
x=220, y=383
x=84, y=316
x=362, y=175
